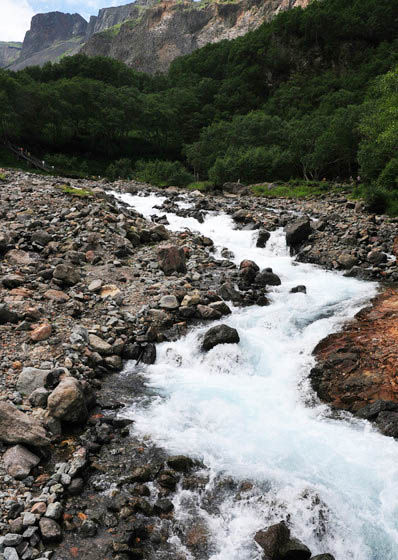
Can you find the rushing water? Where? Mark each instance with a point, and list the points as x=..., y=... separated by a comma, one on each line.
x=247, y=410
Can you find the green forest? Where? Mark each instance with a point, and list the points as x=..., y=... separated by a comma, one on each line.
x=311, y=95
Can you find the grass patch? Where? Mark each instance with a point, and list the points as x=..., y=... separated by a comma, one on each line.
x=2, y=177
x=202, y=186
x=82, y=193
x=298, y=189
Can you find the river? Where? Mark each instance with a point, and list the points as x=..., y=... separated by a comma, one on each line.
x=248, y=412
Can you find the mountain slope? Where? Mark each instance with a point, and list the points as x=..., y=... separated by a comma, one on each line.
x=158, y=34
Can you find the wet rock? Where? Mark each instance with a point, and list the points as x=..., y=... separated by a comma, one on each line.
x=67, y=402
x=221, y=307
x=267, y=278
x=171, y=259
x=148, y=355
x=19, y=461
x=142, y=474
x=168, y=480
x=263, y=237
x=228, y=292
x=371, y=411
x=298, y=232
x=347, y=261
x=294, y=550
x=88, y=529
x=387, y=423
x=50, y=530
x=323, y=557
x=163, y=506
x=6, y=315
x=272, y=540
x=180, y=463
x=67, y=274
x=18, y=427
x=298, y=290
x=376, y=257
x=220, y=334
x=207, y=312
x=31, y=379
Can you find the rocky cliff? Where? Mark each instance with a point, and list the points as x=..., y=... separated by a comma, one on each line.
x=164, y=30
x=50, y=36
x=8, y=53
x=147, y=34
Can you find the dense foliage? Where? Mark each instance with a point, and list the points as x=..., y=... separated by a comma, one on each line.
x=313, y=94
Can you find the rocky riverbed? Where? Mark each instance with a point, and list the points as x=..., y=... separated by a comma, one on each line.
x=86, y=284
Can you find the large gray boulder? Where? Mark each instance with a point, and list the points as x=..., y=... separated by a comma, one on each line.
x=19, y=461
x=66, y=274
x=220, y=334
x=32, y=378
x=267, y=278
x=18, y=427
x=67, y=402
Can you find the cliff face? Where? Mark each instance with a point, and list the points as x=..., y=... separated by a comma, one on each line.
x=162, y=31
x=109, y=17
x=8, y=53
x=50, y=36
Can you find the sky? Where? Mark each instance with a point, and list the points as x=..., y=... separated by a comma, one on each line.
x=15, y=15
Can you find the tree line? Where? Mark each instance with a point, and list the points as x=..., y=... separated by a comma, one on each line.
x=312, y=94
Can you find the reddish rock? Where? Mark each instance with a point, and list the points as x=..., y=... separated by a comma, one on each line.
x=359, y=365
x=56, y=295
x=41, y=333
x=171, y=259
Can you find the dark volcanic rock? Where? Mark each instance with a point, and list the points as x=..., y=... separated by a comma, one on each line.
x=272, y=540
x=294, y=550
x=171, y=259
x=298, y=232
x=263, y=236
x=220, y=334
x=267, y=278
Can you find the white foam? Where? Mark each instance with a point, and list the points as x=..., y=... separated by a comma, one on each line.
x=241, y=408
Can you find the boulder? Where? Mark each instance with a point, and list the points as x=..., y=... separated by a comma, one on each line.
x=67, y=402
x=51, y=532
x=169, y=302
x=323, y=557
x=41, y=238
x=39, y=397
x=207, y=312
x=32, y=378
x=267, y=278
x=299, y=290
x=180, y=463
x=99, y=345
x=376, y=256
x=11, y=281
x=18, y=427
x=347, y=261
x=262, y=238
x=272, y=540
x=4, y=242
x=371, y=411
x=221, y=307
x=67, y=274
x=298, y=232
x=220, y=334
x=19, y=461
x=171, y=259
x=387, y=422
x=42, y=332
x=294, y=550
x=6, y=315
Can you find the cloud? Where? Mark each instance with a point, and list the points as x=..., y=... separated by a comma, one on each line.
x=15, y=16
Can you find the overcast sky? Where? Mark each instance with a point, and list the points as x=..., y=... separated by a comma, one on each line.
x=15, y=15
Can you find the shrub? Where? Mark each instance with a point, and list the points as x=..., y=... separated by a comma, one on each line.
x=163, y=173
x=120, y=169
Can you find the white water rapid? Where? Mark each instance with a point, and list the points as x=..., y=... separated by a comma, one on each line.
x=248, y=412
